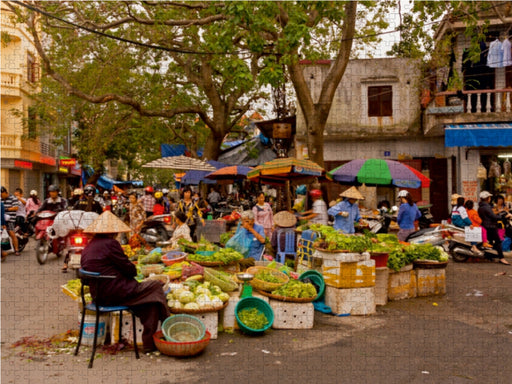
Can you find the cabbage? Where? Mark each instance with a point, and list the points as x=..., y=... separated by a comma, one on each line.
x=202, y=290
x=186, y=297
x=206, y=284
x=177, y=304
x=170, y=303
x=170, y=296
x=191, y=306
x=223, y=296
x=216, y=302
x=203, y=300
x=215, y=290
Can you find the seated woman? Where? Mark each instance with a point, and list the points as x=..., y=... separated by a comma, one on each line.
x=104, y=254
x=461, y=219
x=182, y=231
x=251, y=237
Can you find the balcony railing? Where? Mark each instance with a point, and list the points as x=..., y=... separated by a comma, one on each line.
x=10, y=84
x=476, y=101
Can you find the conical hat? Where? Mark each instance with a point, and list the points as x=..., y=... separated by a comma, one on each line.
x=352, y=193
x=107, y=222
x=285, y=219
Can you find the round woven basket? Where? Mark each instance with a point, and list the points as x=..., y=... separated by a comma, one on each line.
x=180, y=349
x=264, y=285
x=427, y=264
x=175, y=326
x=198, y=311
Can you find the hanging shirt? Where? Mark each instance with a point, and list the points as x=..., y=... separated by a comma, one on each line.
x=345, y=223
x=495, y=56
x=507, y=54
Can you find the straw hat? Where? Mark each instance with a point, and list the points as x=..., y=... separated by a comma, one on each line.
x=455, y=196
x=107, y=222
x=285, y=219
x=352, y=193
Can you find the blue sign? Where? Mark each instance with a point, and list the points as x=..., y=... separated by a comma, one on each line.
x=387, y=153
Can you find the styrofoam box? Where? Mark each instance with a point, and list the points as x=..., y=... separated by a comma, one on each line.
x=211, y=322
x=127, y=331
x=227, y=315
x=342, y=257
x=353, y=301
x=381, y=285
x=292, y=315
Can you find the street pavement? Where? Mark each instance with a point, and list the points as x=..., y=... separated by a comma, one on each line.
x=464, y=336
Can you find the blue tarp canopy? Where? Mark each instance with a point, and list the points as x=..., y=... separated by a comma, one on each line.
x=195, y=177
x=478, y=135
x=108, y=183
x=168, y=150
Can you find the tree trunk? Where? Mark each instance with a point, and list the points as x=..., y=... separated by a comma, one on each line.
x=212, y=147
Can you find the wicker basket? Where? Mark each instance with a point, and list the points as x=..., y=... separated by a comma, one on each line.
x=183, y=325
x=212, y=276
x=198, y=311
x=264, y=285
x=429, y=264
x=287, y=299
x=180, y=349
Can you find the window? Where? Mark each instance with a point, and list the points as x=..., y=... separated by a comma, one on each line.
x=32, y=123
x=380, y=101
x=32, y=69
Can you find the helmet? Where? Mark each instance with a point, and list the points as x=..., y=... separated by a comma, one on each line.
x=106, y=193
x=89, y=189
x=53, y=188
x=149, y=189
x=33, y=192
x=158, y=195
x=165, y=191
x=403, y=193
x=315, y=193
x=77, y=192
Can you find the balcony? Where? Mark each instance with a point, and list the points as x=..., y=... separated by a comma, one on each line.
x=466, y=107
x=11, y=84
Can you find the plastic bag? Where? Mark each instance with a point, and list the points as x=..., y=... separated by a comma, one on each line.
x=240, y=242
x=5, y=236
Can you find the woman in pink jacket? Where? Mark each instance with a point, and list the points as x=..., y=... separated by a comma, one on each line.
x=263, y=214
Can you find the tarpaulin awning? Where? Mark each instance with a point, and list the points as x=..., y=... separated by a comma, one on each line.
x=108, y=183
x=195, y=177
x=478, y=135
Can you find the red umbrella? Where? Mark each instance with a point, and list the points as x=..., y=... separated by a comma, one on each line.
x=233, y=172
x=425, y=181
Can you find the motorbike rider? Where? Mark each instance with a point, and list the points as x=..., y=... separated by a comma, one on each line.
x=11, y=205
x=107, y=202
x=77, y=194
x=167, y=203
x=87, y=203
x=490, y=223
x=148, y=201
x=54, y=203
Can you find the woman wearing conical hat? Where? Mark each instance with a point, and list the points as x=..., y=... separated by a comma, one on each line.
x=104, y=254
x=346, y=212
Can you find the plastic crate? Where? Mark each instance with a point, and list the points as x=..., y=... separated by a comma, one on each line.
x=211, y=230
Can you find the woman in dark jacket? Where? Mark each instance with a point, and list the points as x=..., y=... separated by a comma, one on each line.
x=105, y=255
x=490, y=223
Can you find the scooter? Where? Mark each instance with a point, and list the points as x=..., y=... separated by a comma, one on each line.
x=157, y=230
x=435, y=236
x=46, y=243
x=75, y=244
x=426, y=217
x=461, y=250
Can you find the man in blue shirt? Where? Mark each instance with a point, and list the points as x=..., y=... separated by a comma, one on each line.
x=346, y=212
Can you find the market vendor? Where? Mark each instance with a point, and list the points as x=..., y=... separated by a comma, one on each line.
x=104, y=255
x=346, y=212
x=251, y=238
x=282, y=220
x=318, y=212
x=182, y=231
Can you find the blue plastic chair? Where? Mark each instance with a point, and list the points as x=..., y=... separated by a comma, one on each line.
x=289, y=245
x=305, y=245
x=89, y=278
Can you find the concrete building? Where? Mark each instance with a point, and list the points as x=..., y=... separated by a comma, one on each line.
x=376, y=113
x=474, y=114
x=29, y=160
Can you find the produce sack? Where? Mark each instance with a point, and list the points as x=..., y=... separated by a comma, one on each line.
x=240, y=242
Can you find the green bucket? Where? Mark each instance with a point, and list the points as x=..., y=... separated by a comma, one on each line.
x=317, y=280
x=260, y=305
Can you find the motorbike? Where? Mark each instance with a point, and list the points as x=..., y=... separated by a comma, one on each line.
x=426, y=217
x=461, y=250
x=157, y=230
x=22, y=238
x=46, y=243
x=75, y=244
x=435, y=236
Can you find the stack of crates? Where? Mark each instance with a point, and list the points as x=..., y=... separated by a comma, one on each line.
x=350, y=282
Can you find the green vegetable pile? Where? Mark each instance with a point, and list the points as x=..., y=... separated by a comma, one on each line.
x=225, y=237
x=152, y=258
x=267, y=276
x=252, y=318
x=399, y=258
x=223, y=255
x=296, y=289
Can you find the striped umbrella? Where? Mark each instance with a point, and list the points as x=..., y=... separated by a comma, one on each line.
x=378, y=172
x=280, y=170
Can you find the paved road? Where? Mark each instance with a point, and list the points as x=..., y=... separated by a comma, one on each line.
x=462, y=337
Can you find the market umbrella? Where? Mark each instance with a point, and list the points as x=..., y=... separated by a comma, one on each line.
x=180, y=163
x=195, y=177
x=281, y=170
x=233, y=172
x=378, y=172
